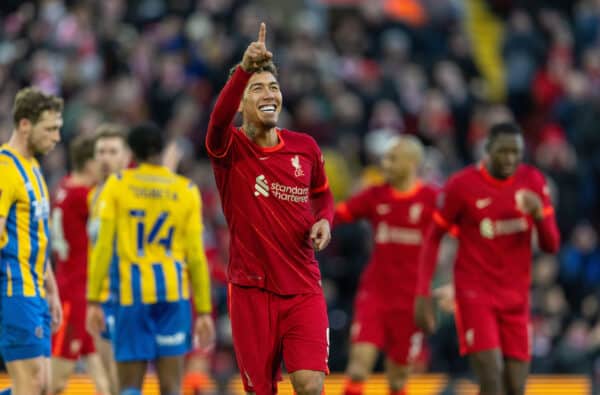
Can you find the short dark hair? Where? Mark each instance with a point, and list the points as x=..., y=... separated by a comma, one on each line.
x=146, y=140
x=111, y=130
x=503, y=128
x=269, y=67
x=31, y=102
x=81, y=150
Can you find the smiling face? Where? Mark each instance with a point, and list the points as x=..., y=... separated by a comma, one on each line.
x=262, y=100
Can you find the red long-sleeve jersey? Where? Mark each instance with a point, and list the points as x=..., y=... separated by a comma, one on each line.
x=271, y=197
x=493, y=261
x=399, y=221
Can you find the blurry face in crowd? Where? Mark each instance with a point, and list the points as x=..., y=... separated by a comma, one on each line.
x=505, y=153
x=112, y=155
x=43, y=135
x=262, y=100
x=402, y=160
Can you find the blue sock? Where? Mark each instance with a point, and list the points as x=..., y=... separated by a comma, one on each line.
x=128, y=391
x=6, y=391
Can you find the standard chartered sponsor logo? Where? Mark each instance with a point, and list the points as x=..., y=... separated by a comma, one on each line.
x=261, y=187
x=283, y=192
x=171, y=340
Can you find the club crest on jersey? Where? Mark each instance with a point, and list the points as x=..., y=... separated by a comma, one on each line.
x=298, y=172
x=414, y=212
x=261, y=187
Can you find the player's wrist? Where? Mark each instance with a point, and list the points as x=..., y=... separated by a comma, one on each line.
x=538, y=214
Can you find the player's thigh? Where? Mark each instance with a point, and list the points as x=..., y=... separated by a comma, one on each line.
x=28, y=376
x=304, y=328
x=403, y=340
x=488, y=367
x=60, y=371
x=131, y=374
x=515, y=376
x=396, y=374
x=257, y=346
x=307, y=382
x=361, y=361
x=134, y=334
x=98, y=373
x=476, y=326
x=170, y=374
x=172, y=322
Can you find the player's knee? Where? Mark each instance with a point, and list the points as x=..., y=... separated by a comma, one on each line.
x=309, y=384
x=357, y=371
x=397, y=381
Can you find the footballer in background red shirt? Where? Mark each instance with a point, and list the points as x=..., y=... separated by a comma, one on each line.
x=399, y=212
x=70, y=245
x=279, y=208
x=495, y=205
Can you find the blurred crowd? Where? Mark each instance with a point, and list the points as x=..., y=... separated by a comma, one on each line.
x=353, y=74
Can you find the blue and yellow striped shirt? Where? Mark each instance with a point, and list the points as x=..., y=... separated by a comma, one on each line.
x=24, y=245
x=153, y=219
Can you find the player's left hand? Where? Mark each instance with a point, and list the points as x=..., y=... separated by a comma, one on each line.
x=320, y=234
x=529, y=203
x=94, y=319
x=445, y=298
x=204, y=331
x=56, y=312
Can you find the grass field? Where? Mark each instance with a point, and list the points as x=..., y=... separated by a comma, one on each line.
x=419, y=385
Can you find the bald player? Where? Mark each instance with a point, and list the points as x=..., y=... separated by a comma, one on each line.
x=399, y=211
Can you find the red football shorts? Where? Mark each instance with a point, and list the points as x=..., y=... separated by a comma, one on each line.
x=482, y=326
x=72, y=339
x=268, y=328
x=390, y=329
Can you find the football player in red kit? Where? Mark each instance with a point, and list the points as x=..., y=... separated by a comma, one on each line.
x=399, y=212
x=279, y=209
x=70, y=245
x=496, y=205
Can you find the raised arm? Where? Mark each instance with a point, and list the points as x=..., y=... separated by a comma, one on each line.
x=219, y=134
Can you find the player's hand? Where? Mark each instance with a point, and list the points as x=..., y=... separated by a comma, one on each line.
x=257, y=54
x=94, y=319
x=320, y=234
x=529, y=203
x=56, y=312
x=204, y=331
x=425, y=314
x=172, y=156
x=444, y=296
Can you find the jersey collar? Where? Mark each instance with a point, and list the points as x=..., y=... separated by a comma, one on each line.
x=406, y=194
x=274, y=148
x=493, y=180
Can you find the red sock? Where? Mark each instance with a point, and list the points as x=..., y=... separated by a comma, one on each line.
x=353, y=387
x=399, y=392
x=194, y=381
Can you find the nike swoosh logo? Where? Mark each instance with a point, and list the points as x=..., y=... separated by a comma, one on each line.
x=483, y=203
x=263, y=158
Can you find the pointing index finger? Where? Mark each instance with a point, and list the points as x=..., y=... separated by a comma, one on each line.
x=262, y=33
